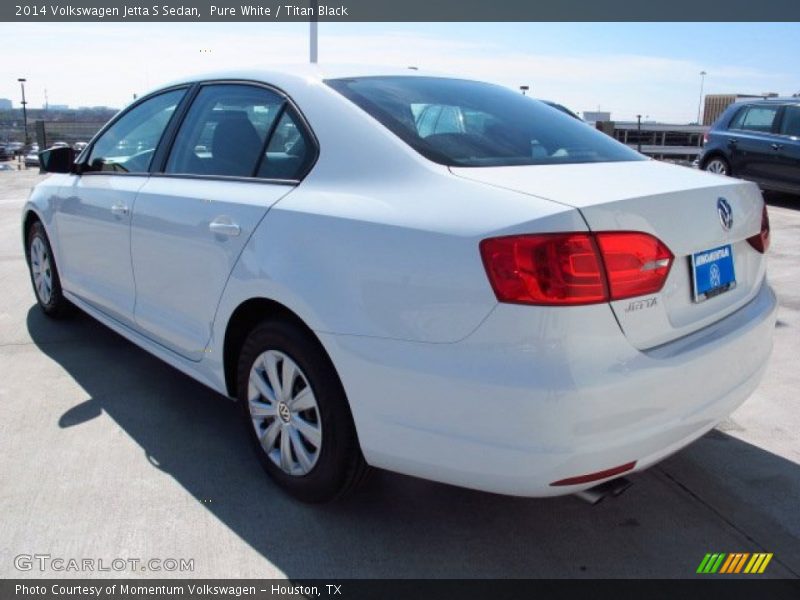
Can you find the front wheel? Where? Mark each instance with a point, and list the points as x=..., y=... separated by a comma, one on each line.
x=718, y=165
x=297, y=414
x=44, y=274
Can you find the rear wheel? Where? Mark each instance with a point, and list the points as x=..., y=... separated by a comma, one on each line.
x=44, y=274
x=718, y=165
x=296, y=413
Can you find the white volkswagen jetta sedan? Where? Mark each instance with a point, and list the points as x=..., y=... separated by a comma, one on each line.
x=431, y=275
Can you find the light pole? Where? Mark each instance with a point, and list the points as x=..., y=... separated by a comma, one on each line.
x=22, y=81
x=524, y=89
x=700, y=101
x=639, y=133
x=312, y=32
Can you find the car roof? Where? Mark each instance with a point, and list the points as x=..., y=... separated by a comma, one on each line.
x=781, y=100
x=291, y=75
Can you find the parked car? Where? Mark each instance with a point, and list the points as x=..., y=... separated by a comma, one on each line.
x=6, y=167
x=15, y=147
x=32, y=158
x=757, y=140
x=525, y=306
x=5, y=152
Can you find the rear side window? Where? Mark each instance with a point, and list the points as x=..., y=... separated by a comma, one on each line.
x=791, y=121
x=290, y=151
x=128, y=145
x=736, y=122
x=757, y=118
x=469, y=123
x=225, y=131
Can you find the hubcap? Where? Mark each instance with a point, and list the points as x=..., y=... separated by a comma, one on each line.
x=717, y=166
x=284, y=413
x=42, y=273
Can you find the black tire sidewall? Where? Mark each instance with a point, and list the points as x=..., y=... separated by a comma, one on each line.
x=340, y=453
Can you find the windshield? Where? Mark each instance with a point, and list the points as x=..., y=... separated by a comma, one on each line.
x=472, y=124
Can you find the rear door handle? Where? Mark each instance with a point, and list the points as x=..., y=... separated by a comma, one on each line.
x=119, y=209
x=733, y=142
x=777, y=146
x=224, y=226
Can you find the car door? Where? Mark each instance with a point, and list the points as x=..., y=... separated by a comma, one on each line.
x=94, y=214
x=192, y=220
x=787, y=149
x=752, y=153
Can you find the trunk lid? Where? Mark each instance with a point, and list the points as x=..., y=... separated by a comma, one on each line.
x=677, y=205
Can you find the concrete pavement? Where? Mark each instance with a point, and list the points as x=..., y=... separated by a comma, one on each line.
x=108, y=453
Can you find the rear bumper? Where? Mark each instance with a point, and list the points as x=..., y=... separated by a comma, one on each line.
x=540, y=394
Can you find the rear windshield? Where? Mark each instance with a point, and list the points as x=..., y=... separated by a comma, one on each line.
x=472, y=124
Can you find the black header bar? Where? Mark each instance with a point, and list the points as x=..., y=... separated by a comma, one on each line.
x=400, y=10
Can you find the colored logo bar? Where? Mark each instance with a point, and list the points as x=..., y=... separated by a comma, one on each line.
x=735, y=562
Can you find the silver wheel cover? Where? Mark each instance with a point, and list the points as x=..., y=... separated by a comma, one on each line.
x=717, y=166
x=284, y=413
x=42, y=270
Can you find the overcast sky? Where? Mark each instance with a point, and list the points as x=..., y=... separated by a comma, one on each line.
x=647, y=68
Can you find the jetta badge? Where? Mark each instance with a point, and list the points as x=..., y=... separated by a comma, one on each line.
x=725, y=214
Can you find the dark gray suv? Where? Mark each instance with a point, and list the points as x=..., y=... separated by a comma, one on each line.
x=757, y=140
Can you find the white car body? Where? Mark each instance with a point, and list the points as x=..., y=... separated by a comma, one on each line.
x=376, y=251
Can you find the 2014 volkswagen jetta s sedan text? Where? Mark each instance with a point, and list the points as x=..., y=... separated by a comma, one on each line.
x=435, y=276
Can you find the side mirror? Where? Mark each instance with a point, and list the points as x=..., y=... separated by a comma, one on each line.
x=56, y=160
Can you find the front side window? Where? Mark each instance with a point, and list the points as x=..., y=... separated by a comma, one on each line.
x=128, y=145
x=225, y=131
x=791, y=121
x=471, y=124
x=759, y=118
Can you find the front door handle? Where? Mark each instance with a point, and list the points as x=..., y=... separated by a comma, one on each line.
x=224, y=226
x=732, y=142
x=777, y=146
x=119, y=210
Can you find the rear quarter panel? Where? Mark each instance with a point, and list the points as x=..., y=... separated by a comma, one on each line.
x=395, y=257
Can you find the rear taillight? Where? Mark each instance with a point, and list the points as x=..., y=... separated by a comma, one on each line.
x=760, y=241
x=553, y=268
x=575, y=268
x=636, y=263
x=705, y=138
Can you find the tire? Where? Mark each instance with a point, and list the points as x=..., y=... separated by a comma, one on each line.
x=718, y=165
x=284, y=438
x=44, y=274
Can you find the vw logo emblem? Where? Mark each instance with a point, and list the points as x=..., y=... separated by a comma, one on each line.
x=284, y=413
x=725, y=214
x=714, y=276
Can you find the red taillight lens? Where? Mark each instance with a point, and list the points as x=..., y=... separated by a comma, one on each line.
x=574, y=268
x=636, y=263
x=760, y=241
x=557, y=268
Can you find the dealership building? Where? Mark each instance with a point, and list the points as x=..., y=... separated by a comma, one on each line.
x=716, y=104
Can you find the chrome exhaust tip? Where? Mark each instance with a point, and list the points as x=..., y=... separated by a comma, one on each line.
x=596, y=494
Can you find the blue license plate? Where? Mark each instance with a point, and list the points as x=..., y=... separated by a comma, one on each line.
x=712, y=271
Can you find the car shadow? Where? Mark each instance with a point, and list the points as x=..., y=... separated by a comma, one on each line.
x=396, y=526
